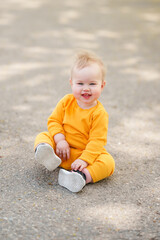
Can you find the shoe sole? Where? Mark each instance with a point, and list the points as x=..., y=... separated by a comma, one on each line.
x=45, y=156
x=73, y=181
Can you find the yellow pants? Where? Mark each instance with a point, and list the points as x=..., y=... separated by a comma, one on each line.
x=101, y=168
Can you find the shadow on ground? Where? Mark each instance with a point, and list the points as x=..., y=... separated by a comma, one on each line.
x=38, y=40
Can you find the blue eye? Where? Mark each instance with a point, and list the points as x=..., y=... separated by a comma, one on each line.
x=92, y=84
x=80, y=83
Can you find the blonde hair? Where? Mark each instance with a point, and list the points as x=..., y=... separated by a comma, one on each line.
x=85, y=58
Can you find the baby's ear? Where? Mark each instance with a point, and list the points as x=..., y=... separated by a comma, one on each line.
x=70, y=81
x=103, y=84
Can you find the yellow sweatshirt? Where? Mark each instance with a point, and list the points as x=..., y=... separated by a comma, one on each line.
x=84, y=129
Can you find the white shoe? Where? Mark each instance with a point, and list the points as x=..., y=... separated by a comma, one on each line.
x=73, y=181
x=46, y=156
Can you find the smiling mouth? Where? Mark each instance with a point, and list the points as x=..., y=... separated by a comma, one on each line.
x=86, y=95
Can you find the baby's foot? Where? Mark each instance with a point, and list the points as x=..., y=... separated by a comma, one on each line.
x=73, y=181
x=46, y=156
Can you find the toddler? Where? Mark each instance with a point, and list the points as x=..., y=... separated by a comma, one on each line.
x=77, y=129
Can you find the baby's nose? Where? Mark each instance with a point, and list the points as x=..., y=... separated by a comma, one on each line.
x=86, y=88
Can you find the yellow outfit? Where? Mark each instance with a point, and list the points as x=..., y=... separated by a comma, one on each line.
x=85, y=131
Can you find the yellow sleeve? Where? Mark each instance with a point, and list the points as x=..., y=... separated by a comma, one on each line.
x=55, y=120
x=97, y=137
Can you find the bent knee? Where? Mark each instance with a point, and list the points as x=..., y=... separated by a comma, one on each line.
x=108, y=164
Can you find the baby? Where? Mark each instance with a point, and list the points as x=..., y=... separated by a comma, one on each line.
x=77, y=129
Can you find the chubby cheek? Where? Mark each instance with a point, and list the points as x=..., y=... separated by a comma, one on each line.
x=76, y=91
x=96, y=93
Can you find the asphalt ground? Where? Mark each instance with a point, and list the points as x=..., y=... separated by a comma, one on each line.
x=37, y=42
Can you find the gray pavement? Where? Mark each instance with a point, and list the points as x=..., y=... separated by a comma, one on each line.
x=37, y=41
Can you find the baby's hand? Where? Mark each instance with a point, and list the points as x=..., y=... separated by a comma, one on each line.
x=63, y=149
x=79, y=164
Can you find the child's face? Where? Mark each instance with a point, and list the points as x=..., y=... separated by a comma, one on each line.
x=87, y=85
